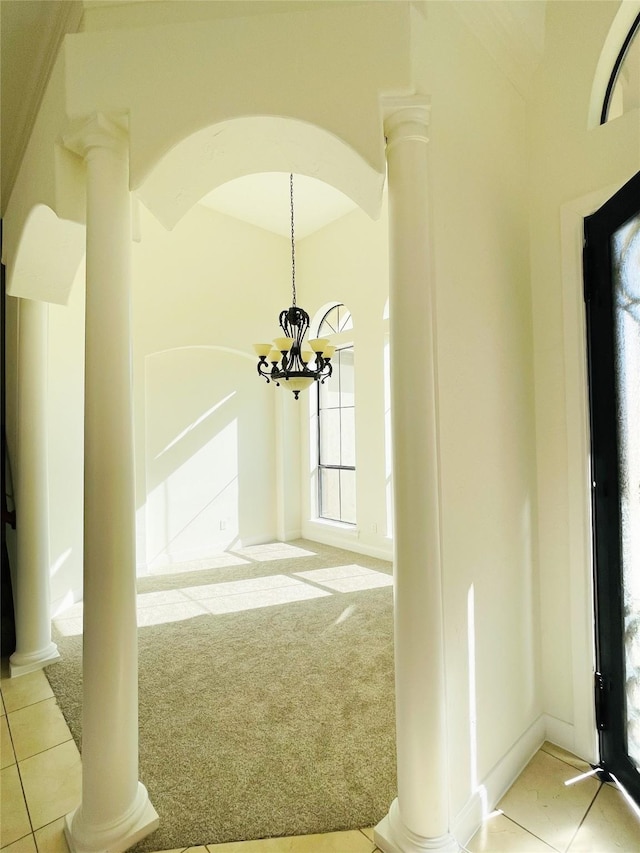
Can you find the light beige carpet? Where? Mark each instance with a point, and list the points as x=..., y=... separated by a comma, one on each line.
x=266, y=694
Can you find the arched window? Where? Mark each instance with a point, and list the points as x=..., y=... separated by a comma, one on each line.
x=336, y=448
x=337, y=319
x=623, y=89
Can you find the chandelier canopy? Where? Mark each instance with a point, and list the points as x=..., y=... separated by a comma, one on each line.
x=289, y=360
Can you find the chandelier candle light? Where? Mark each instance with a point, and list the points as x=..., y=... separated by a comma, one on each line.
x=289, y=359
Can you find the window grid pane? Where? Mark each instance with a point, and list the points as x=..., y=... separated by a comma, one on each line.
x=336, y=433
x=330, y=493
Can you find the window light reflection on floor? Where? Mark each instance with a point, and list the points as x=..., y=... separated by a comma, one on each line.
x=222, y=561
x=626, y=795
x=176, y=605
x=273, y=551
x=580, y=777
x=232, y=556
x=347, y=578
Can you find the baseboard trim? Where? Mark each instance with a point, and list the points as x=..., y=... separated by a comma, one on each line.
x=498, y=781
x=559, y=732
x=291, y=535
x=347, y=540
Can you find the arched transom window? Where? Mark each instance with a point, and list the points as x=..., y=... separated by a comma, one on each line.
x=623, y=90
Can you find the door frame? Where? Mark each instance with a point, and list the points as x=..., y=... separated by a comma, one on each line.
x=580, y=736
x=609, y=621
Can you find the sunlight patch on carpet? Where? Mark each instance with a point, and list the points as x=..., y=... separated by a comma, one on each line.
x=352, y=578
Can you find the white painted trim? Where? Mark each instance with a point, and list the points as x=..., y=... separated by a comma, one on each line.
x=560, y=733
x=339, y=537
x=498, y=781
x=578, y=440
x=291, y=535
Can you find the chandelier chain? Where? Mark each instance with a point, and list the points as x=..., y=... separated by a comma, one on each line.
x=293, y=245
x=285, y=362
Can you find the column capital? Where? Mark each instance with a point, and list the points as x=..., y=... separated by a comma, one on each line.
x=406, y=118
x=99, y=130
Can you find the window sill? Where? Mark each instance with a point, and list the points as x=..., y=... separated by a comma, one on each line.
x=336, y=525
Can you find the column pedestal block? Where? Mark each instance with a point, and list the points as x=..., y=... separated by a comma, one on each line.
x=116, y=837
x=391, y=836
x=21, y=664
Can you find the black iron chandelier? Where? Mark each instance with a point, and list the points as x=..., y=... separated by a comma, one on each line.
x=289, y=360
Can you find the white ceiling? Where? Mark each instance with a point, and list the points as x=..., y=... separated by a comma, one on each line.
x=263, y=200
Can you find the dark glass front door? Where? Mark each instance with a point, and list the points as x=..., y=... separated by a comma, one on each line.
x=612, y=294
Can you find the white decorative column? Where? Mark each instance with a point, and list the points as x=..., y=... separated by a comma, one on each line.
x=115, y=811
x=32, y=600
x=419, y=819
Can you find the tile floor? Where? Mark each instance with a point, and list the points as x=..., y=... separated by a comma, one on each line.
x=41, y=772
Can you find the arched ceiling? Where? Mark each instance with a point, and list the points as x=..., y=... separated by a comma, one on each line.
x=31, y=32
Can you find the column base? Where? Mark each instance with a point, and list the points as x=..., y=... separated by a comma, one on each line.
x=21, y=664
x=392, y=836
x=141, y=820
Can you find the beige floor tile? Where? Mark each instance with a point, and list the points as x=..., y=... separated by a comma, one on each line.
x=611, y=825
x=332, y=842
x=7, y=755
x=541, y=803
x=14, y=819
x=37, y=727
x=178, y=850
x=52, y=783
x=500, y=835
x=51, y=839
x=368, y=831
x=23, y=845
x=564, y=755
x=25, y=690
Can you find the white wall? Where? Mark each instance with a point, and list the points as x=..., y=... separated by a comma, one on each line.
x=210, y=473
x=205, y=422
x=573, y=171
x=65, y=412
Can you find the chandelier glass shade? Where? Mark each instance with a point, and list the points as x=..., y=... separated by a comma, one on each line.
x=291, y=361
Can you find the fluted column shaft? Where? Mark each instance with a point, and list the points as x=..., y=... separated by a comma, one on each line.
x=32, y=599
x=418, y=819
x=115, y=810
